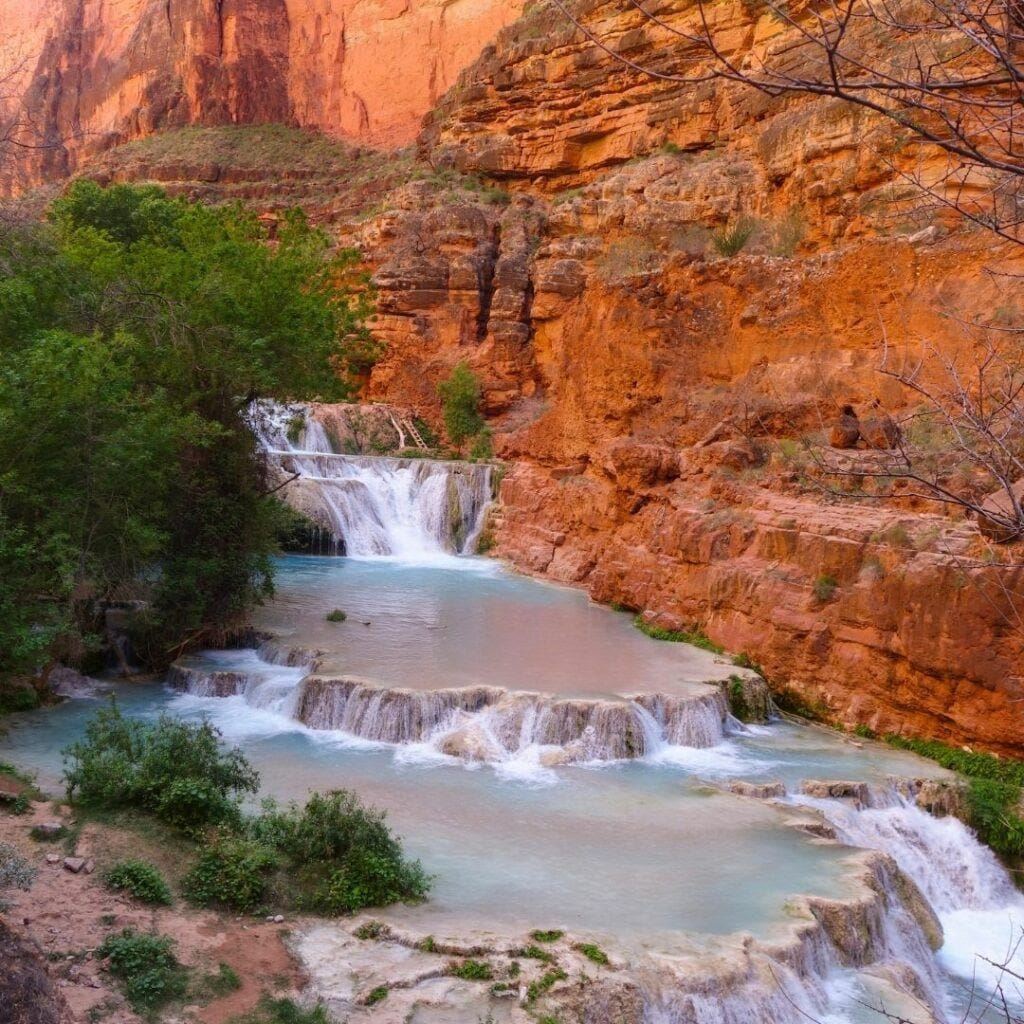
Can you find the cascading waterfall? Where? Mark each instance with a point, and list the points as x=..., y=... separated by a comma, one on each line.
x=980, y=909
x=410, y=509
x=478, y=723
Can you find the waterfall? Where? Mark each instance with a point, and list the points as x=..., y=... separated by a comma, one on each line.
x=980, y=909
x=375, y=506
x=476, y=723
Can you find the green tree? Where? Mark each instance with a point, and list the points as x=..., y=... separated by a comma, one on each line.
x=134, y=331
x=460, y=403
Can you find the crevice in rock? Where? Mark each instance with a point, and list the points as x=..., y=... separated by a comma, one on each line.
x=490, y=263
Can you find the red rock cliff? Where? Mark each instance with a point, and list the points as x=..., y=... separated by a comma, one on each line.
x=80, y=76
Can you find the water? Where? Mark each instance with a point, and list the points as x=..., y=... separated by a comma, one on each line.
x=422, y=511
x=551, y=766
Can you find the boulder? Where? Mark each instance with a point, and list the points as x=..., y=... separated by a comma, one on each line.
x=636, y=464
x=845, y=432
x=858, y=792
x=998, y=504
x=49, y=829
x=880, y=432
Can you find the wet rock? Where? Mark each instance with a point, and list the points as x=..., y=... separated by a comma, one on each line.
x=758, y=790
x=816, y=827
x=845, y=432
x=858, y=792
x=67, y=682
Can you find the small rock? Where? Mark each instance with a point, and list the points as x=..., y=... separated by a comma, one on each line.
x=74, y=864
x=758, y=790
x=858, y=792
x=89, y=866
x=49, y=829
x=278, y=918
x=53, y=858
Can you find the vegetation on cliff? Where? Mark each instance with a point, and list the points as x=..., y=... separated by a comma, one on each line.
x=332, y=856
x=134, y=329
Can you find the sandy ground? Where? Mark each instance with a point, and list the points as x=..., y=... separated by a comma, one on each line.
x=69, y=915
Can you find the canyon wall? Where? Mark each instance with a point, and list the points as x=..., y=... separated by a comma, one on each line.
x=78, y=76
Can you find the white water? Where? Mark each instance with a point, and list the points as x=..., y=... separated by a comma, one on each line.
x=419, y=511
x=981, y=911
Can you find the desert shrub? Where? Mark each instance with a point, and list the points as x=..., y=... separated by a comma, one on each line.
x=15, y=871
x=340, y=856
x=789, y=232
x=627, y=257
x=824, y=587
x=147, y=968
x=460, y=404
x=141, y=879
x=733, y=238
x=174, y=770
x=231, y=872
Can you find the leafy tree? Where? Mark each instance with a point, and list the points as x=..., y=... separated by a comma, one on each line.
x=134, y=331
x=460, y=398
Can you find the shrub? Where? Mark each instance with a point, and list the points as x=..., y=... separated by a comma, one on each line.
x=865, y=732
x=147, y=969
x=824, y=587
x=142, y=880
x=460, y=404
x=992, y=808
x=593, y=953
x=732, y=239
x=738, y=705
x=546, y=936
x=337, y=615
x=21, y=804
x=371, y=930
x=231, y=872
x=340, y=854
x=15, y=871
x=483, y=445
x=284, y=1011
x=174, y=770
x=217, y=985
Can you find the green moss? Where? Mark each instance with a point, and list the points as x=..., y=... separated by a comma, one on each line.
x=738, y=705
x=543, y=984
x=546, y=936
x=534, y=953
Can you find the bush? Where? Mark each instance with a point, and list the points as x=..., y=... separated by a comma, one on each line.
x=142, y=880
x=992, y=807
x=284, y=1011
x=231, y=872
x=216, y=986
x=460, y=404
x=147, y=969
x=336, y=615
x=341, y=855
x=546, y=936
x=376, y=995
x=482, y=446
x=546, y=981
x=732, y=239
x=174, y=770
x=824, y=587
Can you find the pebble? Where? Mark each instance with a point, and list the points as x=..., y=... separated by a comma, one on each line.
x=53, y=858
